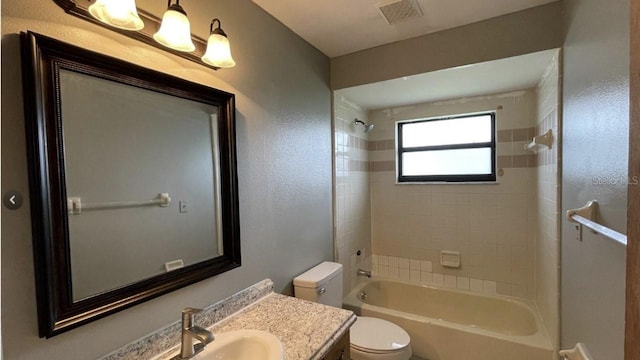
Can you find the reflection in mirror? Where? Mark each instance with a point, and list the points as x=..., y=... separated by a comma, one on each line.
x=119, y=155
x=133, y=182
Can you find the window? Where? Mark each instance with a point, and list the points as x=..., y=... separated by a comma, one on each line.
x=458, y=148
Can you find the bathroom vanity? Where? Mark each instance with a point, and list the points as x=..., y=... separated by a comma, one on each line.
x=307, y=330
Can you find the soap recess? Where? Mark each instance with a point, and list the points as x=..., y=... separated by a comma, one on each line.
x=450, y=259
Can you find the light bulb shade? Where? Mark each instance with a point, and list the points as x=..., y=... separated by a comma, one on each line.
x=117, y=13
x=218, y=52
x=175, y=31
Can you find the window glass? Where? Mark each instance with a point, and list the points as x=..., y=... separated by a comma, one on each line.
x=447, y=162
x=454, y=148
x=475, y=129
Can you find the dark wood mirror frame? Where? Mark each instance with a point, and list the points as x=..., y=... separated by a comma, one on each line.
x=42, y=60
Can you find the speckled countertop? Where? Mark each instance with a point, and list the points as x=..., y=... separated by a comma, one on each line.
x=308, y=330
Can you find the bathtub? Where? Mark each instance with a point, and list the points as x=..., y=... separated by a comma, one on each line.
x=446, y=324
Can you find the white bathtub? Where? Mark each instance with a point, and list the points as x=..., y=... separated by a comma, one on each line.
x=449, y=324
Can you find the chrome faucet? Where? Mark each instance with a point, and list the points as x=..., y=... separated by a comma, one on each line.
x=191, y=332
x=366, y=273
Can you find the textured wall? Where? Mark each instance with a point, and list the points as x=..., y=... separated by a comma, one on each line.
x=594, y=166
x=284, y=165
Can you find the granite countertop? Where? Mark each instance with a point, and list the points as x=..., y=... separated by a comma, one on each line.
x=307, y=330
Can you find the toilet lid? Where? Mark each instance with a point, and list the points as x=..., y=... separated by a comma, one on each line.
x=378, y=335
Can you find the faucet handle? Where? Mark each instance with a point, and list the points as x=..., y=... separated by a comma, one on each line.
x=187, y=316
x=191, y=311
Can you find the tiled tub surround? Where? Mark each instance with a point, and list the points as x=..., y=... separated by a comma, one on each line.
x=421, y=272
x=549, y=180
x=306, y=329
x=352, y=209
x=491, y=225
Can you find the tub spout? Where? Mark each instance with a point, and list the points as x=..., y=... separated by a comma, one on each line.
x=366, y=273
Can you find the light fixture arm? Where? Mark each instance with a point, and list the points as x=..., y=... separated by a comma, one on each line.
x=217, y=30
x=176, y=7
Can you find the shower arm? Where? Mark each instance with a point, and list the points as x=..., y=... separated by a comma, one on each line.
x=367, y=127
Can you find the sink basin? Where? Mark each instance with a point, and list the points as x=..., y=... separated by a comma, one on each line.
x=243, y=345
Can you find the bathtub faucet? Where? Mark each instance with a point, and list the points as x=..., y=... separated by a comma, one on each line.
x=366, y=273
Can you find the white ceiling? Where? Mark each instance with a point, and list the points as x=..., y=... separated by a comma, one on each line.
x=338, y=27
x=492, y=77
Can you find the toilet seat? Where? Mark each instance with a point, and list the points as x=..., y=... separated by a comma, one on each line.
x=377, y=336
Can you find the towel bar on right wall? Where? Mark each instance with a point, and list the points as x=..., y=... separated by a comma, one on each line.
x=587, y=215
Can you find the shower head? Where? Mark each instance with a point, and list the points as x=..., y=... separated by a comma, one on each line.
x=367, y=127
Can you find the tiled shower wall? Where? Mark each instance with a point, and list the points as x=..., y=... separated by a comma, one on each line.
x=547, y=262
x=491, y=225
x=352, y=202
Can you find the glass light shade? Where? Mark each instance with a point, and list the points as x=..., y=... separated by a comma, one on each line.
x=218, y=52
x=117, y=13
x=175, y=32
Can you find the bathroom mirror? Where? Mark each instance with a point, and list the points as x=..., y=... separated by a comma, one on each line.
x=133, y=182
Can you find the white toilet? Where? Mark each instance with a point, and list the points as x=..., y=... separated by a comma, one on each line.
x=371, y=338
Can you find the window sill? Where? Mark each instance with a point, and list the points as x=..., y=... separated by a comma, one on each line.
x=448, y=183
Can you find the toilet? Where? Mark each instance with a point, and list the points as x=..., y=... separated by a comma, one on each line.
x=371, y=338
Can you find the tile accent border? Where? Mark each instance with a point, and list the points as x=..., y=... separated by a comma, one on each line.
x=517, y=161
x=505, y=161
x=511, y=135
x=376, y=166
x=382, y=145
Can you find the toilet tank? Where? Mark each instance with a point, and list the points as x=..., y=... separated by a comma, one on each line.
x=321, y=284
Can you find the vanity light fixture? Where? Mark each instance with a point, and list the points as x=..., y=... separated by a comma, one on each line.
x=175, y=31
x=117, y=13
x=218, y=52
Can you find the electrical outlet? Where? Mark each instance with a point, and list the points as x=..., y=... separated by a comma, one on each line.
x=184, y=206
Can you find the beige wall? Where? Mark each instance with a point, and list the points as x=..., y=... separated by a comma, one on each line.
x=548, y=193
x=514, y=34
x=284, y=166
x=491, y=225
x=595, y=126
x=352, y=202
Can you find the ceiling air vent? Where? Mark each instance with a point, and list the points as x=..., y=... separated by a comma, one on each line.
x=396, y=11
